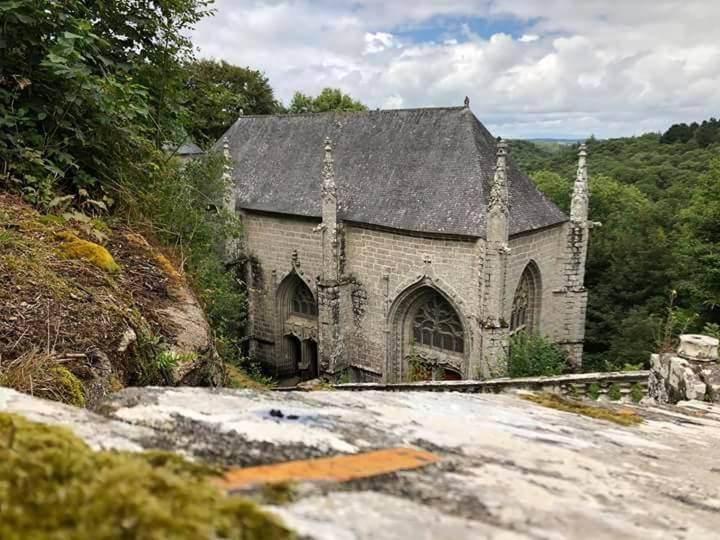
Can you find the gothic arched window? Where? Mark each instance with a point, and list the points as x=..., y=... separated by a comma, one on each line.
x=302, y=301
x=436, y=325
x=524, y=314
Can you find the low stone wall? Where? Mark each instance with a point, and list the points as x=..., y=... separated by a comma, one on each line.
x=593, y=385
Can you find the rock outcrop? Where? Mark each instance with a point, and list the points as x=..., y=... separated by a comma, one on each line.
x=692, y=373
x=508, y=468
x=95, y=302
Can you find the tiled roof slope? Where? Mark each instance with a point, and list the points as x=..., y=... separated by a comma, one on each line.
x=422, y=170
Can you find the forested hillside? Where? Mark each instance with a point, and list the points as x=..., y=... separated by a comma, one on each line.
x=657, y=254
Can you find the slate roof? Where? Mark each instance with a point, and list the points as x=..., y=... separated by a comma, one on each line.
x=422, y=170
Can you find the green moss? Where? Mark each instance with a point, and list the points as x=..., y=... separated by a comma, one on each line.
x=69, y=385
x=278, y=493
x=52, y=485
x=593, y=391
x=237, y=378
x=51, y=219
x=76, y=248
x=624, y=417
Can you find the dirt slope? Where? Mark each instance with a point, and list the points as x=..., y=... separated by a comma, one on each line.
x=98, y=301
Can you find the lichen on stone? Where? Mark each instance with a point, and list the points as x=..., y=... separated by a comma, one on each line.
x=52, y=485
x=76, y=248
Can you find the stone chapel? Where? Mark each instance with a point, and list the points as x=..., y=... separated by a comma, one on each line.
x=415, y=240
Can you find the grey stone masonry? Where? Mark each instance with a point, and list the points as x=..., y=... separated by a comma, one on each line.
x=573, y=291
x=336, y=295
x=494, y=345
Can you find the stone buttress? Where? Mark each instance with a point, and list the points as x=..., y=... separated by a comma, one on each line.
x=572, y=333
x=331, y=289
x=494, y=327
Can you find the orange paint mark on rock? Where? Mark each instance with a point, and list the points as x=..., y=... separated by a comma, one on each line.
x=334, y=469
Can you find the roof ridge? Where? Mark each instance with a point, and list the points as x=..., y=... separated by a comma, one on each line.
x=369, y=111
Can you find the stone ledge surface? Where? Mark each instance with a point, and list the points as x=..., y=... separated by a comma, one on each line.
x=509, y=468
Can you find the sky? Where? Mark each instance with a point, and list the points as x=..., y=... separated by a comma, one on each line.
x=531, y=68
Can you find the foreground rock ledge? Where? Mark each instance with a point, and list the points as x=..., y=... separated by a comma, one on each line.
x=510, y=468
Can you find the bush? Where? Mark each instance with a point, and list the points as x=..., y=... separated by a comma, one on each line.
x=532, y=355
x=636, y=393
x=593, y=391
x=614, y=393
x=181, y=204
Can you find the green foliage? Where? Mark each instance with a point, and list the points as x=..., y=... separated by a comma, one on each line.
x=87, y=89
x=183, y=206
x=593, y=391
x=217, y=93
x=614, y=393
x=636, y=393
x=55, y=486
x=330, y=99
x=418, y=370
x=659, y=205
x=532, y=355
x=712, y=330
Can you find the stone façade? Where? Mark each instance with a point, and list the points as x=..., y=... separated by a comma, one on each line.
x=370, y=282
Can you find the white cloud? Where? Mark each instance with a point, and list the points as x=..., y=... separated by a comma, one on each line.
x=575, y=68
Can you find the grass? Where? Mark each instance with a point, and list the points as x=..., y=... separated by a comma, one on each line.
x=52, y=485
x=36, y=373
x=624, y=417
x=237, y=378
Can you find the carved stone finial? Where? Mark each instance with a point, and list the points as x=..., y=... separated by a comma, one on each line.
x=328, y=171
x=499, y=196
x=467, y=102
x=580, y=196
x=227, y=169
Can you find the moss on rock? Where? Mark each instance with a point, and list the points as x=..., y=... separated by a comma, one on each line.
x=70, y=386
x=76, y=248
x=624, y=417
x=52, y=485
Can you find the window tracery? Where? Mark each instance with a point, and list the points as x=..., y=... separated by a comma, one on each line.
x=437, y=325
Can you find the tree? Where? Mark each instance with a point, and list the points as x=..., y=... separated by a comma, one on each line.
x=330, y=99
x=87, y=88
x=216, y=93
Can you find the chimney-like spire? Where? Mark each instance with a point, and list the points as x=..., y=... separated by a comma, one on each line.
x=467, y=102
x=499, y=201
x=580, y=196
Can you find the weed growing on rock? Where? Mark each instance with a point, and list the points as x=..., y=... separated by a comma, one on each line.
x=52, y=485
x=593, y=391
x=614, y=393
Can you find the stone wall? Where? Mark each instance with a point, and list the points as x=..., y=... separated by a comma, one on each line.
x=378, y=266
x=545, y=247
x=384, y=264
x=277, y=246
x=603, y=386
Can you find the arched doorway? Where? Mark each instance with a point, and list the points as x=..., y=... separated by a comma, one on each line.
x=428, y=338
x=525, y=312
x=298, y=319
